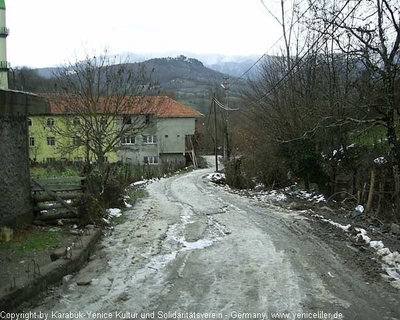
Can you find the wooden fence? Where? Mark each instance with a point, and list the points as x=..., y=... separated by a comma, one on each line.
x=53, y=199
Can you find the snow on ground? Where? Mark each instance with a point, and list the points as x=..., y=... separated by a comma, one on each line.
x=272, y=196
x=305, y=195
x=139, y=183
x=114, y=212
x=216, y=177
x=390, y=260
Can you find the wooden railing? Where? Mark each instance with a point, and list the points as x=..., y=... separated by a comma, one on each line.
x=53, y=199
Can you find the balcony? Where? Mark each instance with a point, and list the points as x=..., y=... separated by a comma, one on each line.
x=4, y=65
x=4, y=31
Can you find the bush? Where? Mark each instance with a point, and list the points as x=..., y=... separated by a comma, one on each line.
x=91, y=210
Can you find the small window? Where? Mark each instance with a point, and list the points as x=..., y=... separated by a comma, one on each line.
x=31, y=141
x=149, y=119
x=127, y=120
x=149, y=139
x=29, y=122
x=128, y=140
x=51, y=141
x=150, y=160
x=178, y=136
x=76, y=141
x=50, y=122
x=50, y=160
x=76, y=121
x=166, y=136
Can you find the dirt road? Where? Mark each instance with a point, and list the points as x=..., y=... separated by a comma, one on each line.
x=192, y=250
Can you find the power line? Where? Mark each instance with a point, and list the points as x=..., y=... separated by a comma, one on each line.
x=270, y=48
x=224, y=107
x=297, y=63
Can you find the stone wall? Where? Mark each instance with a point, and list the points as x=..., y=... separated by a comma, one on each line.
x=15, y=194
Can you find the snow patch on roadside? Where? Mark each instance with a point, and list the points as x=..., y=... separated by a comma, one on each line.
x=338, y=225
x=305, y=195
x=390, y=260
x=272, y=196
x=114, y=212
x=216, y=177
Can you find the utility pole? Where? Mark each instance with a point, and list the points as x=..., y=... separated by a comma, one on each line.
x=216, y=139
x=225, y=86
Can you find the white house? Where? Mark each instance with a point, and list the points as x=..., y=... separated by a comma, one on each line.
x=168, y=138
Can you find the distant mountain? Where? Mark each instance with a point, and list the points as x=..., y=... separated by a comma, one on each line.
x=188, y=79
x=176, y=74
x=182, y=73
x=232, y=65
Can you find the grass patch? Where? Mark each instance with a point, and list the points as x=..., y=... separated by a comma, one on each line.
x=134, y=195
x=119, y=220
x=27, y=241
x=50, y=172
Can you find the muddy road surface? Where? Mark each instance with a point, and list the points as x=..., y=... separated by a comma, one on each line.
x=191, y=250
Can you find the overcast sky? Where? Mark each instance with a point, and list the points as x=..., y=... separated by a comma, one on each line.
x=51, y=32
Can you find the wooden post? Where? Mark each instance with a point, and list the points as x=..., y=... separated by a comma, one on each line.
x=371, y=192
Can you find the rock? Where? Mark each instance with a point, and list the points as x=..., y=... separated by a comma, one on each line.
x=57, y=254
x=355, y=214
x=66, y=279
x=84, y=282
x=395, y=229
x=6, y=234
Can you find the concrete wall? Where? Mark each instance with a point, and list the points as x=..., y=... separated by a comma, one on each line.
x=172, y=132
x=15, y=194
x=170, y=146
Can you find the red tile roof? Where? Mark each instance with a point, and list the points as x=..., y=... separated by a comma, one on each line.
x=161, y=106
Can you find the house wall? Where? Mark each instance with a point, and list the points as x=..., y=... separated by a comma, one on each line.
x=63, y=148
x=15, y=193
x=170, y=146
x=135, y=153
x=172, y=132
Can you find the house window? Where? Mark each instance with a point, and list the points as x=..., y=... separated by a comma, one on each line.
x=50, y=160
x=149, y=139
x=149, y=119
x=29, y=122
x=76, y=141
x=31, y=141
x=128, y=140
x=166, y=136
x=76, y=121
x=50, y=122
x=150, y=160
x=51, y=141
x=127, y=120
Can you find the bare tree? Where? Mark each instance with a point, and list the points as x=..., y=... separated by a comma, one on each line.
x=103, y=101
x=369, y=31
